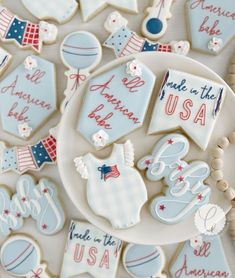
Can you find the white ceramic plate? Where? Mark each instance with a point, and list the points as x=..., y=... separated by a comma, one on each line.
x=72, y=144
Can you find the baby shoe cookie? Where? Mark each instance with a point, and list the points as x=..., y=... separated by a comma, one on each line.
x=81, y=52
x=144, y=261
x=21, y=256
x=118, y=97
x=24, y=33
x=211, y=24
x=36, y=200
x=89, y=250
x=28, y=97
x=202, y=256
x=5, y=59
x=185, y=191
x=125, y=42
x=190, y=102
x=92, y=7
x=21, y=159
x=111, y=181
x=154, y=25
x=58, y=10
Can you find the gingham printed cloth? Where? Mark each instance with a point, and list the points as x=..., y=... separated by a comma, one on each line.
x=119, y=198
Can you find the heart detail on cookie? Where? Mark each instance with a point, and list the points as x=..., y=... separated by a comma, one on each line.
x=211, y=24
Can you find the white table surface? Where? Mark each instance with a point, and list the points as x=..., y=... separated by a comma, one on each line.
x=53, y=246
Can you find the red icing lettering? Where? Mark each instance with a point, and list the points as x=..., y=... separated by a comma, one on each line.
x=201, y=115
x=133, y=84
x=18, y=116
x=187, y=112
x=105, y=260
x=170, y=107
x=211, y=31
x=78, y=253
x=92, y=253
x=36, y=77
x=203, y=251
x=101, y=121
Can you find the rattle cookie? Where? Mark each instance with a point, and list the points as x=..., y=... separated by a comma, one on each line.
x=89, y=250
x=154, y=25
x=29, y=97
x=21, y=257
x=92, y=7
x=58, y=10
x=25, y=33
x=144, y=261
x=186, y=191
x=126, y=42
x=218, y=176
x=231, y=74
x=198, y=257
x=81, y=52
x=111, y=180
x=36, y=200
x=5, y=59
x=211, y=24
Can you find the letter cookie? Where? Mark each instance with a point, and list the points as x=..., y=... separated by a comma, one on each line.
x=155, y=24
x=90, y=8
x=211, y=24
x=28, y=97
x=186, y=191
x=58, y=10
x=144, y=261
x=201, y=257
x=25, y=33
x=81, y=52
x=112, y=180
x=126, y=42
x=21, y=159
x=89, y=250
x=38, y=201
x=5, y=59
x=119, y=97
x=189, y=102
x=21, y=256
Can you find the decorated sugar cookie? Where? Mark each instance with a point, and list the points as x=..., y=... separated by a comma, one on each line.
x=81, y=52
x=144, y=261
x=5, y=59
x=28, y=97
x=24, y=33
x=21, y=257
x=21, y=159
x=118, y=97
x=126, y=42
x=36, y=200
x=202, y=256
x=90, y=8
x=89, y=250
x=211, y=24
x=155, y=24
x=58, y=10
x=111, y=181
x=189, y=102
x=186, y=191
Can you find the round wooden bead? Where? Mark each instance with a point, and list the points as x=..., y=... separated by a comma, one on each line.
x=232, y=137
x=217, y=152
x=222, y=185
x=223, y=142
x=217, y=164
x=217, y=175
x=229, y=194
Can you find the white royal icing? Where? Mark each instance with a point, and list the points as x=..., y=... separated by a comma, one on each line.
x=25, y=130
x=114, y=22
x=30, y=63
x=129, y=153
x=133, y=68
x=180, y=47
x=113, y=179
x=47, y=32
x=100, y=138
x=215, y=44
x=5, y=59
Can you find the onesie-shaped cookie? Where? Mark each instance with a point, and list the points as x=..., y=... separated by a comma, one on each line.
x=115, y=190
x=186, y=191
x=59, y=10
x=89, y=250
x=126, y=42
x=25, y=33
x=202, y=256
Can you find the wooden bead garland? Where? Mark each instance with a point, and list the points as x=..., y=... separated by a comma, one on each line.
x=231, y=74
x=217, y=175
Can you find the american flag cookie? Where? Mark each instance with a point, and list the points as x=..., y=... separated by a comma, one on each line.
x=28, y=97
x=21, y=159
x=185, y=190
x=38, y=200
x=125, y=42
x=24, y=33
x=59, y=10
x=111, y=182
